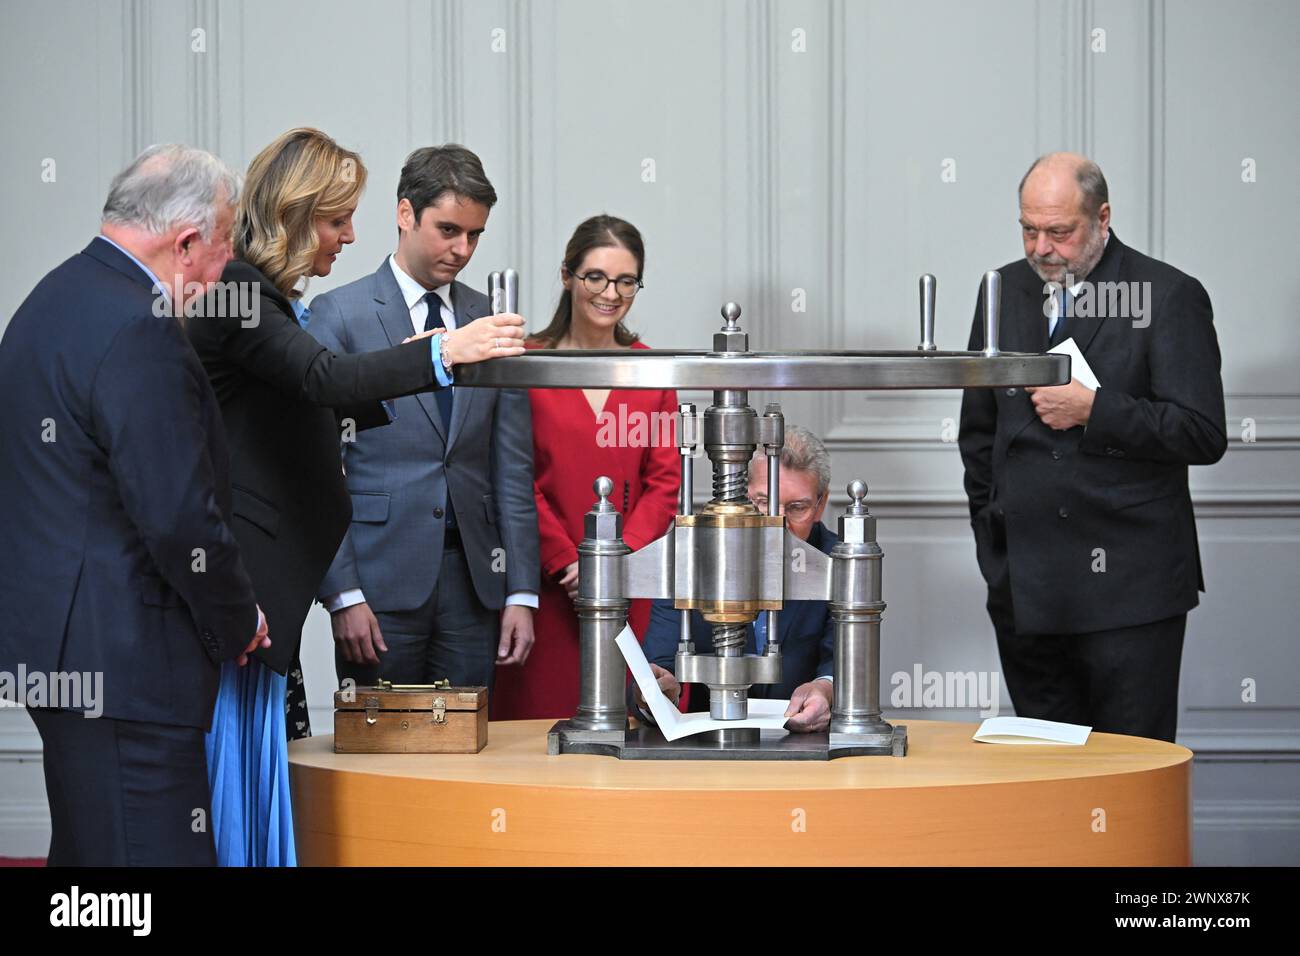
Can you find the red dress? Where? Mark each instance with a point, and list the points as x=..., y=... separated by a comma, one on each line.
x=633, y=443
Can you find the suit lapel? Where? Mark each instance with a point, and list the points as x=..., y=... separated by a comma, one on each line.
x=395, y=318
x=1084, y=329
x=466, y=311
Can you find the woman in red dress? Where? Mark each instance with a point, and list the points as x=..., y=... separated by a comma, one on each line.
x=579, y=435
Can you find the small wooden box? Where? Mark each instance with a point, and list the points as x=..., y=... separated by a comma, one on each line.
x=410, y=719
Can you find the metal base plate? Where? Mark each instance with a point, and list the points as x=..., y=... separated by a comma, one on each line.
x=647, y=743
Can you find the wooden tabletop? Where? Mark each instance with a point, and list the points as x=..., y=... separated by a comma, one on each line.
x=1114, y=800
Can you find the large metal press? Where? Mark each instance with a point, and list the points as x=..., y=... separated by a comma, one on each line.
x=730, y=561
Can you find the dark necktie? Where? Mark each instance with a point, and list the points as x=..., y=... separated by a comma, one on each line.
x=445, y=396
x=1062, y=311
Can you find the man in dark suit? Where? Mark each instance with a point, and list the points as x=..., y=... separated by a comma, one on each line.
x=437, y=576
x=115, y=557
x=807, y=635
x=1083, y=522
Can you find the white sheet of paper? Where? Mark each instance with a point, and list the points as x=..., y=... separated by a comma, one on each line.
x=1029, y=730
x=673, y=724
x=767, y=707
x=1079, y=367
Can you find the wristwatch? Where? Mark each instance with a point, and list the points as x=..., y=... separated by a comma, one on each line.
x=444, y=354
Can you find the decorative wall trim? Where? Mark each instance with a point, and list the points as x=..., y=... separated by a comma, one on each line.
x=1156, y=114
x=519, y=129
x=1086, y=77
x=137, y=55
x=205, y=79
x=24, y=828
x=830, y=407
x=1214, y=744
x=18, y=736
x=1234, y=816
x=766, y=119
x=449, y=43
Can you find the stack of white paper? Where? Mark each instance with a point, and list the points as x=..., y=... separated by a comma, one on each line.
x=1028, y=730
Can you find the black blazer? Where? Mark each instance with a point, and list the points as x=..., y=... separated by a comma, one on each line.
x=807, y=639
x=115, y=556
x=279, y=389
x=1051, y=508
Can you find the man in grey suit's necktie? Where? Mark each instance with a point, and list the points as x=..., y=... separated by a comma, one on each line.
x=438, y=574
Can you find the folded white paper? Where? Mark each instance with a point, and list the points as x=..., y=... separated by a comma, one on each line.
x=1079, y=367
x=673, y=724
x=1029, y=730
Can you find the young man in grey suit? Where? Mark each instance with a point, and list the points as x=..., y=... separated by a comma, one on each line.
x=438, y=573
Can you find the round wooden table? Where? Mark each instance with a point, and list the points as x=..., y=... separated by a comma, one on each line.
x=1114, y=801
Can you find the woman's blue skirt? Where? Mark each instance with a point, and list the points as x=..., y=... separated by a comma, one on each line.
x=248, y=769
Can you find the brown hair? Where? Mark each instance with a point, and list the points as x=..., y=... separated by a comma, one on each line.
x=302, y=175
x=595, y=233
x=432, y=171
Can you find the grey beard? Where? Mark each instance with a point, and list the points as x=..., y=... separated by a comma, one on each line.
x=1091, y=255
x=1080, y=269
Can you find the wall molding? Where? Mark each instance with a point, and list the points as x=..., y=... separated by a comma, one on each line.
x=205, y=79
x=449, y=43
x=1238, y=744
x=831, y=406
x=1234, y=816
x=1156, y=116
x=137, y=56
x=519, y=130
x=24, y=828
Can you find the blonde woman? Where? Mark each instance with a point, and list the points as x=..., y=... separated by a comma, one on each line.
x=286, y=401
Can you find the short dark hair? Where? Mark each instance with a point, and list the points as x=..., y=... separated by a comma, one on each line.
x=432, y=171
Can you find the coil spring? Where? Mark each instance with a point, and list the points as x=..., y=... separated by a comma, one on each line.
x=727, y=635
x=730, y=486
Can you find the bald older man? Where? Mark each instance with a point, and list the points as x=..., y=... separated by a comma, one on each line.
x=1078, y=496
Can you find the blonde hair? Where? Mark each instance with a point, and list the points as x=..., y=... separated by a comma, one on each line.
x=302, y=175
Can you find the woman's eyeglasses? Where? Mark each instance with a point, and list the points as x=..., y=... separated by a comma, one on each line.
x=596, y=282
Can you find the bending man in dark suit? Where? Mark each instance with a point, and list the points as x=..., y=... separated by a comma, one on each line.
x=1083, y=522
x=437, y=576
x=115, y=557
x=807, y=636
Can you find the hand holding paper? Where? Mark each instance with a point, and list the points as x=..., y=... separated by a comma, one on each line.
x=1063, y=407
x=1079, y=367
x=667, y=683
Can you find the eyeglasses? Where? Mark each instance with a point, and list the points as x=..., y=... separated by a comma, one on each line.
x=798, y=510
x=596, y=282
